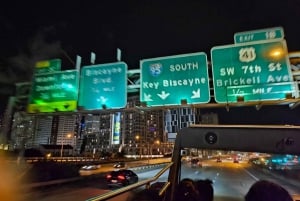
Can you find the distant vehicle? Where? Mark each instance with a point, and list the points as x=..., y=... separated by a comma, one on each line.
x=89, y=169
x=168, y=154
x=195, y=162
x=186, y=159
x=235, y=160
x=121, y=178
x=119, y=165
x=219, y=160
x=104, y=158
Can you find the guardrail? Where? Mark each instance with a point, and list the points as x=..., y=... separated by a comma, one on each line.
x=88, y=159
x=131, y=187
x=61, y=159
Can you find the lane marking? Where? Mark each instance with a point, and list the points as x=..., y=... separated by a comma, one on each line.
x=251, y=175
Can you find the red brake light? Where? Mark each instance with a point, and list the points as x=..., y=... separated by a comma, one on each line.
x=121, y=177
x=108, y=176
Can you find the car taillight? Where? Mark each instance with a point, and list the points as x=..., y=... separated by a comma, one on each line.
x=121, y=177
x=108, y=176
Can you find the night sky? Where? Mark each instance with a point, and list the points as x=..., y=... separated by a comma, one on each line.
x=37, y=30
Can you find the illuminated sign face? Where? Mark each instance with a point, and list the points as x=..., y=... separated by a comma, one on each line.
x=47, y=66
x=54, y=92
x=254, y=71
x=103, y=86
x=259, y=35
x=170, y=80
x=116, y=131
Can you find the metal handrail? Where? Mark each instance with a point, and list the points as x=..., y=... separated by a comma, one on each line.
x=131, y=187
x=164, y=188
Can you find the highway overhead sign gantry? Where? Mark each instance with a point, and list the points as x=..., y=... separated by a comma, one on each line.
x=103, y=86
x=255, y=71
x=54, y=92
x=172, y=79
x=259, y=35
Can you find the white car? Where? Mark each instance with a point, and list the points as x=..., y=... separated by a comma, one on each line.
x=119, y=165
x=89, y=169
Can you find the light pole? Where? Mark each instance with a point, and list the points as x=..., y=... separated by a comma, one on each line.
x=69, y=135
x=148, y=152
x=157, y=142
x=137, y=138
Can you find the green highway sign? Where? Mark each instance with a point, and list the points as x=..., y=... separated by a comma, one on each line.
x=259, y=35
x=250, y=70
x=47, y=66
x=103, y=86
x=54, y=92
x=173, y=79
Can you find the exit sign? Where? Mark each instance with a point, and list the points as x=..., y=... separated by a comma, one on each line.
x=173, y=79
x=259, y=35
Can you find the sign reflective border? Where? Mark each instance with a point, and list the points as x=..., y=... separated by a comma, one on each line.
x=173, y=79
x=47, y=66
x=259, y=35
x=103, y=86
x=54, y=92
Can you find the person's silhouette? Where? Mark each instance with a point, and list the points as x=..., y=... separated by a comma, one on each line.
x=205, y=190
x=267, y=191
x=187, y=191
x=190, y=190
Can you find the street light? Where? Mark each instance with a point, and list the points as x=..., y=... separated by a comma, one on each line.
x=69, y=135
x=137, y=138
x=157, y=142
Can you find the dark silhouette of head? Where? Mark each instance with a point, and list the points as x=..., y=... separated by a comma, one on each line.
x=267, y=191
x=186, y=191
x=205, y=190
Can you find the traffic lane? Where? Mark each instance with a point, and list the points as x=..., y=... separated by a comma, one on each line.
x=130, y=164
x=291, y=184
x=226, y=179
x=77, y=191
x=230, y=181
x=233, y=180
x=83, y=189
x=75, y=194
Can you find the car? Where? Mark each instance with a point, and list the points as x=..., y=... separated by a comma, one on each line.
x=89, y=169
x=121, y=178
x=219, y=160
x=235, y=160
x=119, y=165
x=195, y=162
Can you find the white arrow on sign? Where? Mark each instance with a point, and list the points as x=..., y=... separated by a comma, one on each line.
x=102, y=99
x=147, y=97
x=196, y=94
x=163, y=95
